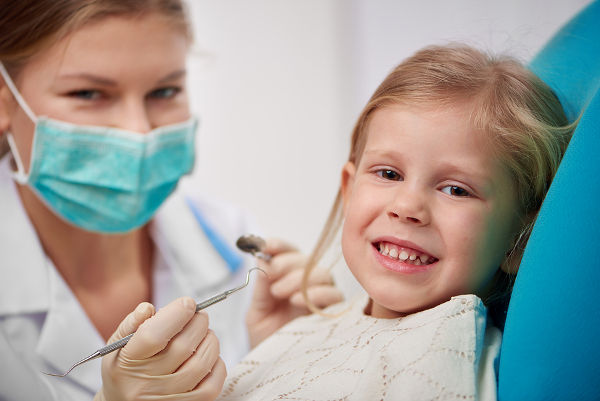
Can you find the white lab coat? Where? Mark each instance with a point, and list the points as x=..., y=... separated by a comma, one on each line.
x=44, y=328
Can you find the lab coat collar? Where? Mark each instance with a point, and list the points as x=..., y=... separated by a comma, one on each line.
x=46, y=291
x=22, y=254
x=58, y=335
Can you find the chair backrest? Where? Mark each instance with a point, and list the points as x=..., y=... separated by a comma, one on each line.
x=551, y=347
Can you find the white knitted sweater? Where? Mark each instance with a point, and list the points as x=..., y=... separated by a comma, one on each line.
x=444, y=353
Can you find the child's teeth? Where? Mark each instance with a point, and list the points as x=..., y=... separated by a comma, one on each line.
x=403, y=255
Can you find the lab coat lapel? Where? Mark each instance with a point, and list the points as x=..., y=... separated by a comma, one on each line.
x=16, y=383
x=63, y=343
x=22, y=254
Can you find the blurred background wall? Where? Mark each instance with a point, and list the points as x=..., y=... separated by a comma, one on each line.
x=278, y=85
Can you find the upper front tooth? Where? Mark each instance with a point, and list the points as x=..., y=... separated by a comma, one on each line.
x=394, y=253
x=412, y=256
x=403, y=255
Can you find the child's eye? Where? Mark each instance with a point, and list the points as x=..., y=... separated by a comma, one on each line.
x=389, y=175
x=164, y=93
x=455, y=191
x=86, y=94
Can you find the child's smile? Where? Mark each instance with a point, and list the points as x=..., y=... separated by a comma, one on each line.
x=405, y=253
x=429, y=212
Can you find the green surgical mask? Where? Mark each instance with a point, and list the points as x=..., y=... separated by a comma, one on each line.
x=103, y=179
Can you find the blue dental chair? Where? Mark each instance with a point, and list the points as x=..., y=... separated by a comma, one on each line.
x=551, y=345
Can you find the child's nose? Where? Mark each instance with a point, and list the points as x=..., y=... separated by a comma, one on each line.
x=410, y=206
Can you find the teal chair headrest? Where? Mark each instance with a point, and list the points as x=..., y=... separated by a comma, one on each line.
x=550, y=349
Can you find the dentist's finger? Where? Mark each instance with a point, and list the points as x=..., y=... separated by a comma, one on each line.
x=191, y=373
x=292, y=282
x=209, y=388
x=155, y=333
x=181, y=347
x=275, y=246
x=284, y=263
x=320, y=296
x=199, y=366
x=130, y=324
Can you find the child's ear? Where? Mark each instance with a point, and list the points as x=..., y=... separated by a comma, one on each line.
x=348, y=174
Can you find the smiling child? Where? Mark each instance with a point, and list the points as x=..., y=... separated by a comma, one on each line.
x=449, y=163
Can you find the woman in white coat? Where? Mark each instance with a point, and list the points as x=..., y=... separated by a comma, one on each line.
x=95, y=134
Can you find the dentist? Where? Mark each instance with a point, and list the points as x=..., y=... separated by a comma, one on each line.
x=95, y=135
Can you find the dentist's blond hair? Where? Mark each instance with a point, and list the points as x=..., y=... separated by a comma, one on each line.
x=30, y=26
x=517, y=112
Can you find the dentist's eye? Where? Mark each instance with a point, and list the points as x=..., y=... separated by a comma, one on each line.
x=164, y=93
x=455, y=191
x=86, y=94
x=389, y=175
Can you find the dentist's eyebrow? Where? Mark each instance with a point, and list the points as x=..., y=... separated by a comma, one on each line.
x=173, y=76
x=98, y=80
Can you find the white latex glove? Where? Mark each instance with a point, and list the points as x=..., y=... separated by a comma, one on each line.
x=172, y=356
x=278, y=298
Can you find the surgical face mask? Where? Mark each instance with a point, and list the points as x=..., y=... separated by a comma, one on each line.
x=103, y=179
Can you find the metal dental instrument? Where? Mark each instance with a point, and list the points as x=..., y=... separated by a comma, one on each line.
x=253, y=244
x=121, y=343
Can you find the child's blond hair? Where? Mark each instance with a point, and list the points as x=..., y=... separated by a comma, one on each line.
x=519, y=114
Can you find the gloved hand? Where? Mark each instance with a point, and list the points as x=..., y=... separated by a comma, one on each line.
x=277, y=299
x=173, y=355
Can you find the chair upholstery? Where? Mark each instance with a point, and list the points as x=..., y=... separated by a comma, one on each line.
x=551, y=347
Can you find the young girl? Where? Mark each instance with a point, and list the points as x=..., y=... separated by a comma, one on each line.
x=449, y=163
x=95, y=134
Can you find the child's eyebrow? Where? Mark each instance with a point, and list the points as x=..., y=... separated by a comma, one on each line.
x=446, y=167
x=452, y=168
x=382, y=153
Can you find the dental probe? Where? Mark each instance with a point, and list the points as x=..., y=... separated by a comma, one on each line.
x=121, y=343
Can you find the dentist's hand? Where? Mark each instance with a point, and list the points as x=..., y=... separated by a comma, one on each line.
x=278, y=298
x=172, y=355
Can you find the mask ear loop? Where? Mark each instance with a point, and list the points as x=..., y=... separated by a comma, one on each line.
x=20, y=175
x=13, y=89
